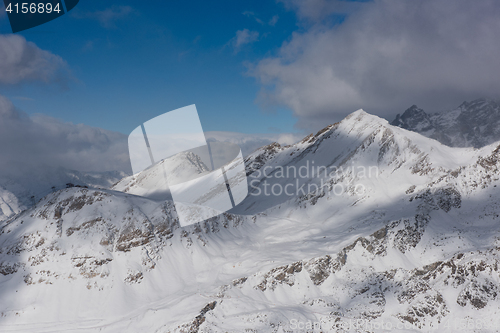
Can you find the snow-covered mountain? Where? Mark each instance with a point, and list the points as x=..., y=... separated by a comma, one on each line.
x=153, y=182
x=472, y=124
x=363, y=223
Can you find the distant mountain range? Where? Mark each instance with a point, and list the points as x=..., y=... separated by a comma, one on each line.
x=19, y=193
x=473, y=124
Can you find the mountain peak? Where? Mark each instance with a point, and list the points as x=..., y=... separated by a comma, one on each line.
x=361, y=121
x=414, y=118
x=414, y=109
x=363, y=115
x=360, y=113
x=472, y=124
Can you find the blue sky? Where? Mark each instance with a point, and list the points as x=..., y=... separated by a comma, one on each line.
x=147, y=58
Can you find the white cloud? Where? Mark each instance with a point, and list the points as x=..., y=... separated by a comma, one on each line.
x=386, y=56
x=243, y=37
x=23, y=61
x=273, y=20
x=252, y=14
x=107, y=17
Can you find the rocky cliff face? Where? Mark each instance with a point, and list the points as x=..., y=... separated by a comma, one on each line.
x=400, y=229
x=472, y=124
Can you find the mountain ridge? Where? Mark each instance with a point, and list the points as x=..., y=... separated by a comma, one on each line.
x=18, y=194
x=472, y=124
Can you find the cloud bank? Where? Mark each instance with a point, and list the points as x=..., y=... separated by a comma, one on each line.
x=107, y=17
x=23, y=61
x=31, y=143
x=385, y=56
x=250, y=142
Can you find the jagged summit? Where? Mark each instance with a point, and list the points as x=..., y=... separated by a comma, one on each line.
x=414, y=118
x=153, y=181
x=365, y=116
x=473, y=124
x=358, y=113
